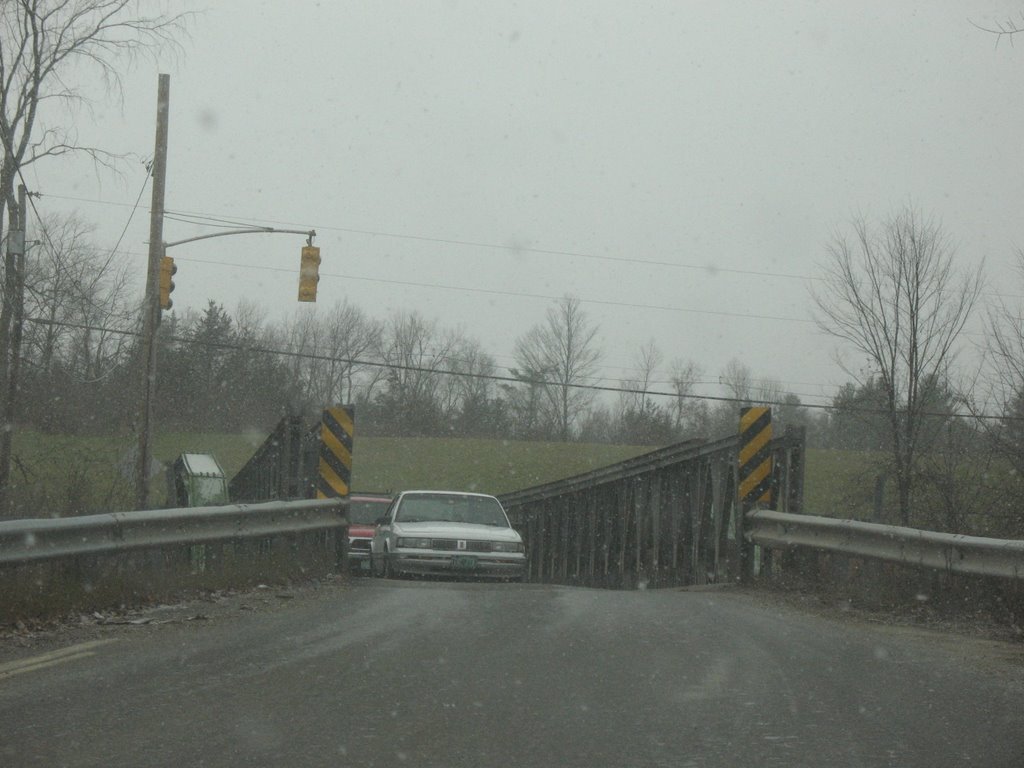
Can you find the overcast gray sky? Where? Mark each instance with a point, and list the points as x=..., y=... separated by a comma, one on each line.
x=726, y=141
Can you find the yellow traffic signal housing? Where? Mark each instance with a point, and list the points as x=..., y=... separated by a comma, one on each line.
x=167, y=270
x=309, y=273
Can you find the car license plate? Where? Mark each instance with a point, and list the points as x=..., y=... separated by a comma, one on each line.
x=464, y=563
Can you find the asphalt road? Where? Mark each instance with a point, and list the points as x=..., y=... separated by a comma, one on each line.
x=440, y=674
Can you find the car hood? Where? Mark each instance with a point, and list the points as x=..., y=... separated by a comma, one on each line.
x=456, y=531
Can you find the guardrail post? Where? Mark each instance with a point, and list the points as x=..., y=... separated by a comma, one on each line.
x=702, y=485
x=654, y=504
x=640, y=512
x=591, y=502
x=602, y=535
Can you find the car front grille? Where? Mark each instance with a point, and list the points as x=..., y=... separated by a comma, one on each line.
x=452, y=545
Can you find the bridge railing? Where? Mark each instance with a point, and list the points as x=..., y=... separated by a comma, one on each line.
x=666, y=517
x=23, y=541
x=284, y=466
x=50, y=566
x=945, y=552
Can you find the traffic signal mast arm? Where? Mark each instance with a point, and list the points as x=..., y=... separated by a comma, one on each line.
x=308, y=275
x=310, y=234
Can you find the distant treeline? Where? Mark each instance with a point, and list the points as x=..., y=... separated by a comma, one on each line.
x=407, y=376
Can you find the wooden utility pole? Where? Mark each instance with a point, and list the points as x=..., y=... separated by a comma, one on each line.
x=14, y=295
x=151, y=312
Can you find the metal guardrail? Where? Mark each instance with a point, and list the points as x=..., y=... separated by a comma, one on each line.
x=925, y=549
x=23, y=541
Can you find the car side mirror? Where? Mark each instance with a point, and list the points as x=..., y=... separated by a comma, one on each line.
x=383, y=520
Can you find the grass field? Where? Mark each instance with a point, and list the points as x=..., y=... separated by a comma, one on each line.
x=840, y=483
x=487, y=466
x=59, y=475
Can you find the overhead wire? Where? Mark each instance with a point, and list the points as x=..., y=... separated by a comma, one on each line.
x=142, y=189
x=184, y=220
x=544, y=297
x=216, y=221
x=210, y=220
x=515, y=294
x=708, y=268
x=610, y=366
x=501, y=378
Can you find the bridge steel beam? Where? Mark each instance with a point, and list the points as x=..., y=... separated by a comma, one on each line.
x=664, y=518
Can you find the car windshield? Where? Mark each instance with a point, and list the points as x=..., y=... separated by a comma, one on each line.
x=367, y=511
x=438, y=508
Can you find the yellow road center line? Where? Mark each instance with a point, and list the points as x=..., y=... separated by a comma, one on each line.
x=45, y=664
x=70, y=653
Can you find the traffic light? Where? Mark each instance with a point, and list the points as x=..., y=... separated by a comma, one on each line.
x=309, y=273
x=167, y=270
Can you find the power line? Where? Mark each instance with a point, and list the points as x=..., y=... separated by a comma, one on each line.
x=605, y=366
x=544, y=297
x=205, y=219
x=519, y=294
x=149, y=172
x=514, y=294
x=185, y=220
x=500, y=378
x=213, y=220
x=711, y=269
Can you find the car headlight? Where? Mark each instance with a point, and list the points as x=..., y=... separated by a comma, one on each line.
x=416, y=543
x=507, y=546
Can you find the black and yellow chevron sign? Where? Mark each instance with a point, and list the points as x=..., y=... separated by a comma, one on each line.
x=755, y=459
x=335, y=475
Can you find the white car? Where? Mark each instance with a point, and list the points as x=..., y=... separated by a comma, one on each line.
x=447, y=532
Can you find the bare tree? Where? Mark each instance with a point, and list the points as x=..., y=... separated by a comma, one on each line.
x=641, y=419
x=647, y=359
x=471, y=409
x=300, y=335
x=415, y=352
x=78, y=310
x=738, y=381
x=1009, y=28
x=563, y=352
x=344, y=338
x=893, y=294
x=768, y=391
x=526, y=402
x=45, y=46
x=1005, y=349
x=80, y=295
x=684, y=376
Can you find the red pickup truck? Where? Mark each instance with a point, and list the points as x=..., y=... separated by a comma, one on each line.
x=364, y=509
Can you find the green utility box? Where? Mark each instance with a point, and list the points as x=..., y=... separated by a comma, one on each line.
x=196, y=480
